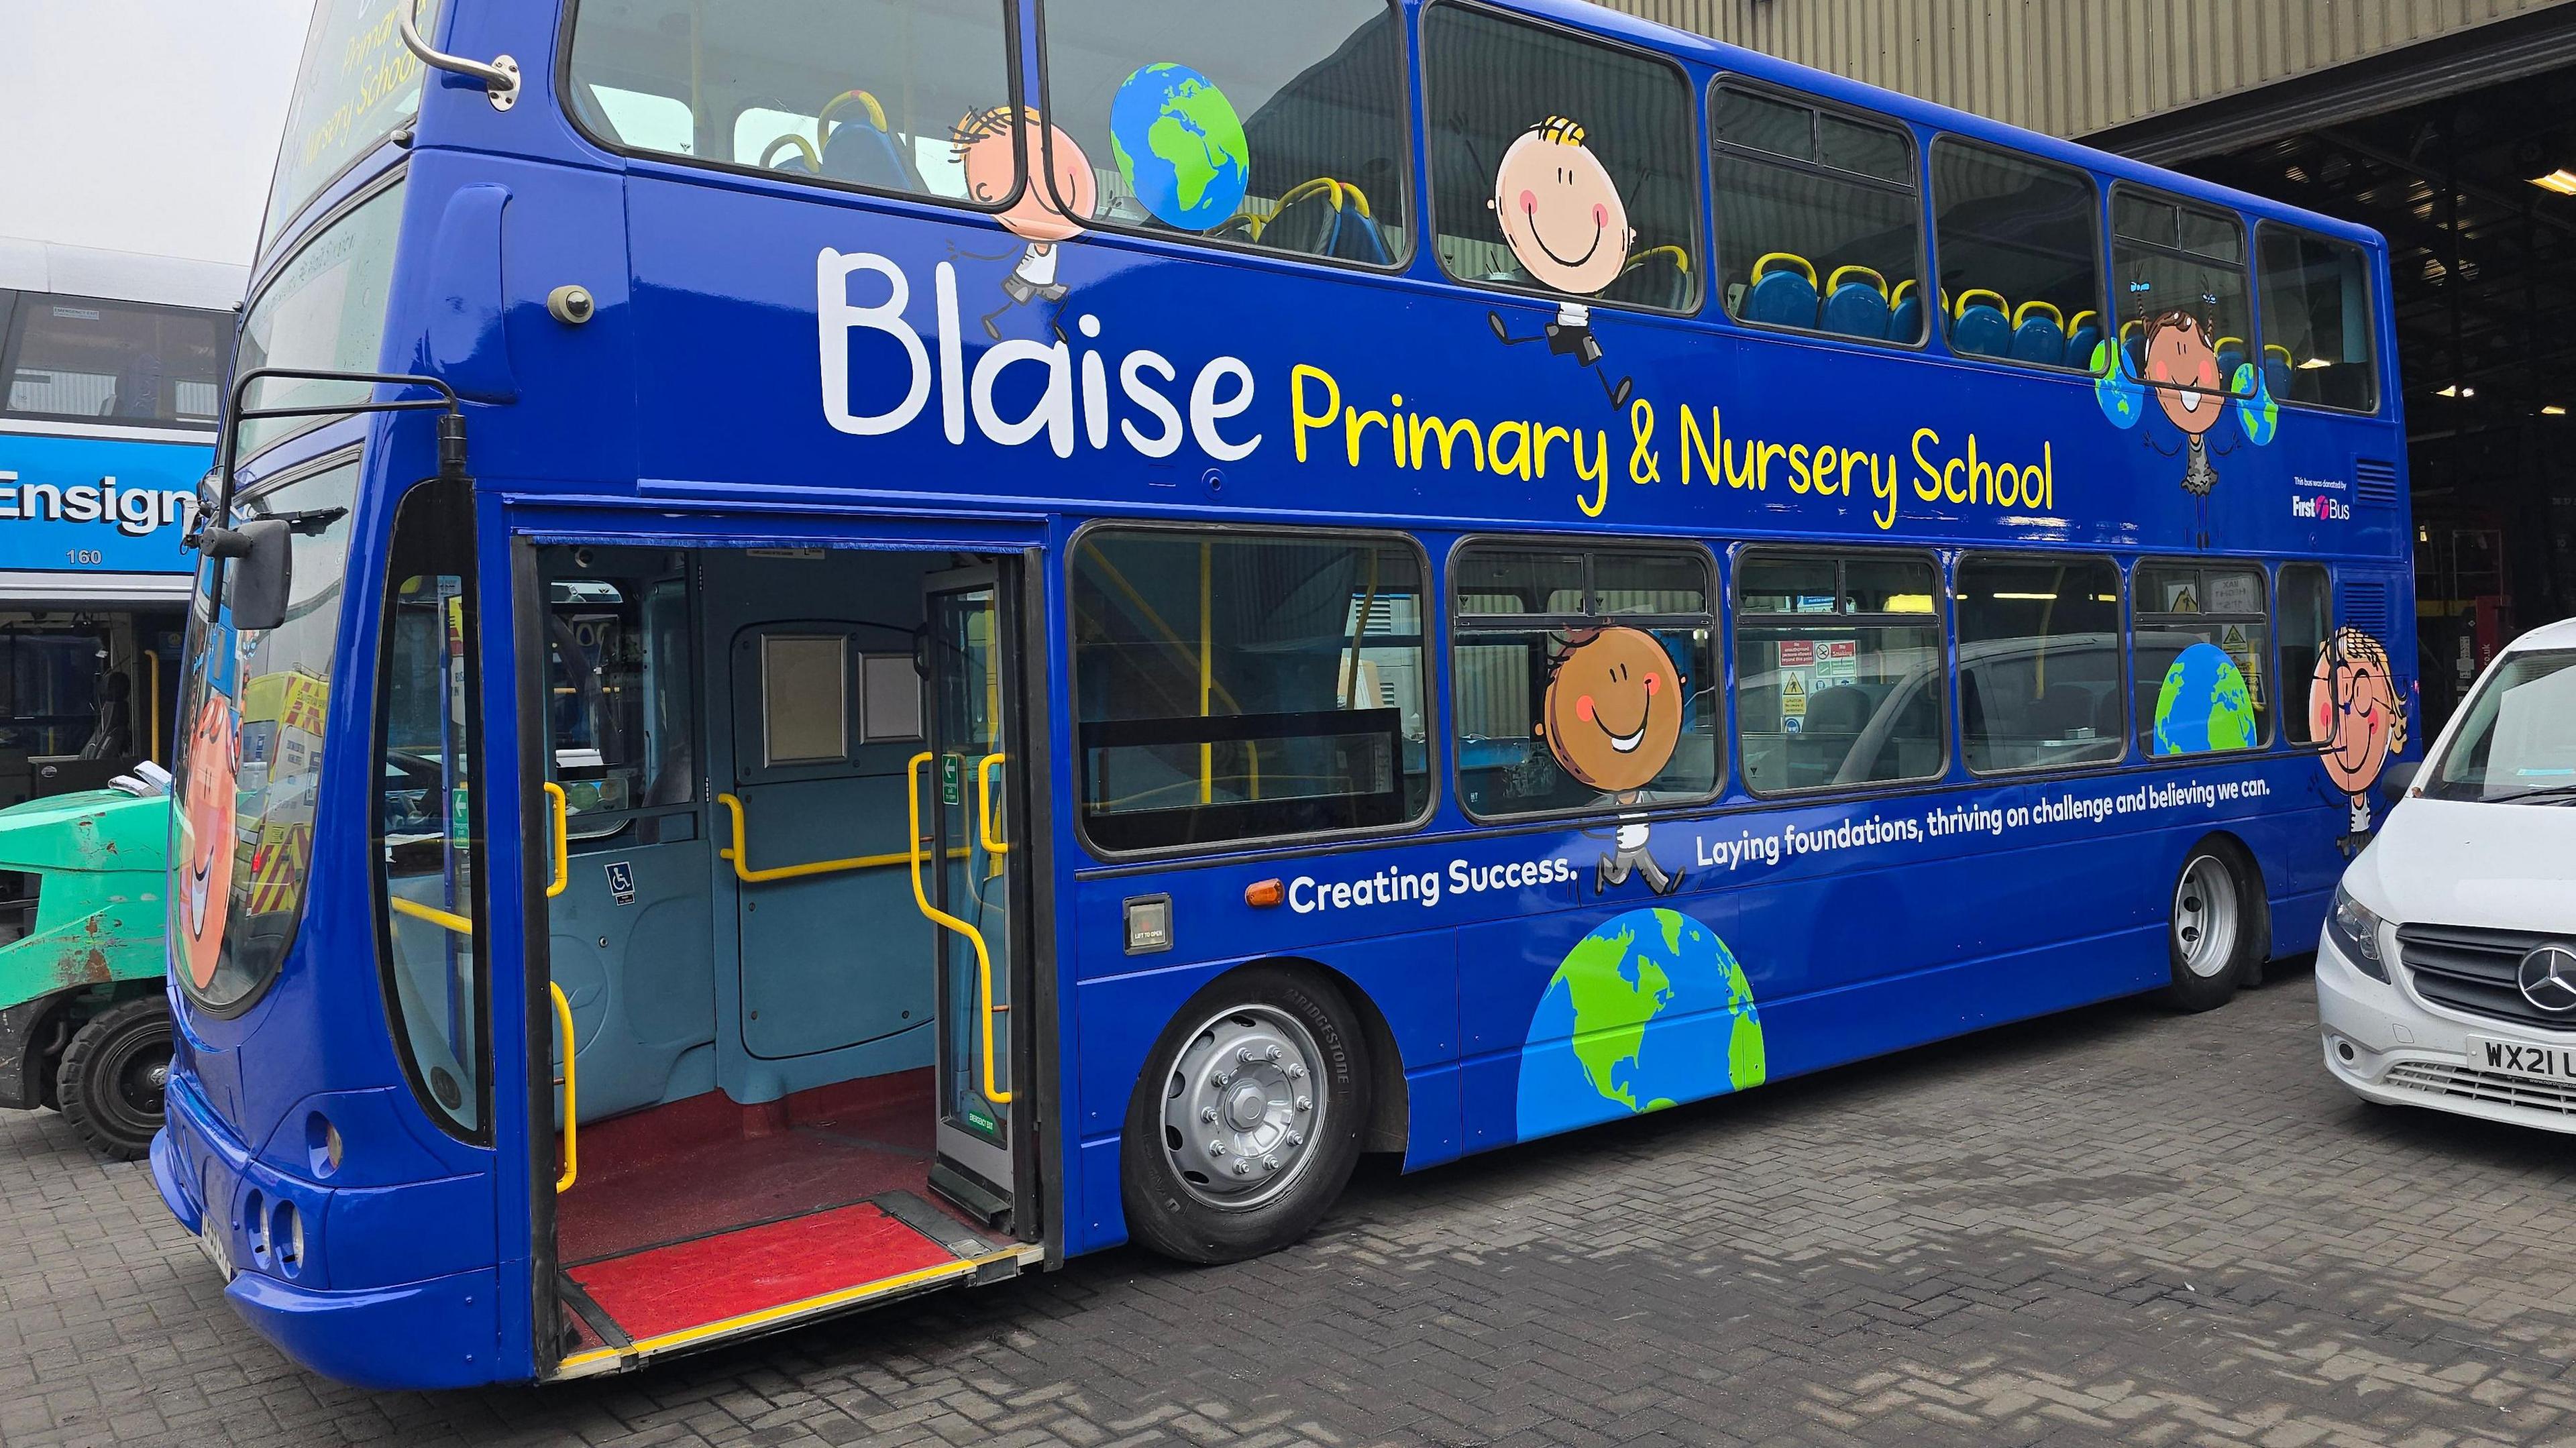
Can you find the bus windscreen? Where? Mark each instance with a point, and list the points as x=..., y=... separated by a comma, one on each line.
x=357, y=83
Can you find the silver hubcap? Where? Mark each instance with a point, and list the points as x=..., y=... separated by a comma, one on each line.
x=1243, y=1106
x=2204, y=916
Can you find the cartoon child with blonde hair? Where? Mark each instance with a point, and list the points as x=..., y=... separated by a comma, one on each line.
x=1046, y=212
x=2353, y=710
x=1566, y=225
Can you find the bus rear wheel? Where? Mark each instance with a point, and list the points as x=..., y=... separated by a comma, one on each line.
x=113, y=1074
x=1247, y=1119
x=2212, y=929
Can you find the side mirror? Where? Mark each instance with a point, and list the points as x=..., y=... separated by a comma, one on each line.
x=263, y=570
x=2399, y=778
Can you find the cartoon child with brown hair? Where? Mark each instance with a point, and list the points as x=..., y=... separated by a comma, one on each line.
x=1612, y=716
x=2182, y=361
x=2353, y=710
x=988, y=146
x=1566, y=225
x=204, y=894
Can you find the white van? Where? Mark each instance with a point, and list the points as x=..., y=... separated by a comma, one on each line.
x=2447, y=972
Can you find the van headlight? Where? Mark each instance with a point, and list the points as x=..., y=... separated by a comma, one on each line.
x=2355, y=932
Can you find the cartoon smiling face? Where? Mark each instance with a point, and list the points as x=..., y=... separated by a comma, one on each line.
x=1560, y=211
x=2182, y=358
x=988, y=146
x=1613, y=709
x=2353, y=710
x=206, y=838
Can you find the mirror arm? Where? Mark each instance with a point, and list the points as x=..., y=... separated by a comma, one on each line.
x=208, y=532
x=500, y=78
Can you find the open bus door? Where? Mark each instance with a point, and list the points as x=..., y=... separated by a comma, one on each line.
x=787, y=931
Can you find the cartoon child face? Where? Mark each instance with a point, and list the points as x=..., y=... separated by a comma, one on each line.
x=2353, y=710
x=988, y=147
x=1614, y=709
x=1560, y=211
x=206, y=837
x=2181, y=355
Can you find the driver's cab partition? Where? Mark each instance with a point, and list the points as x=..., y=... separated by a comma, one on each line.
x=790, y=1002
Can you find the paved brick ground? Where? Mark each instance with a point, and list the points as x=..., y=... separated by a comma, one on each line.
x=2114, y=1225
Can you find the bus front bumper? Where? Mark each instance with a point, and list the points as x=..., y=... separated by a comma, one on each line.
x=437, y=1333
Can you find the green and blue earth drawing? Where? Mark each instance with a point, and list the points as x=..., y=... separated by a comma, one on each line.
x=1180, y=146
x=2204, y=705
x=1590, y=1056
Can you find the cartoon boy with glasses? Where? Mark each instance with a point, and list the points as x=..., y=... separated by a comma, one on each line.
x=2353, y=710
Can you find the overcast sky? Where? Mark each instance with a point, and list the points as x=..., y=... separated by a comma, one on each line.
x=144, y=125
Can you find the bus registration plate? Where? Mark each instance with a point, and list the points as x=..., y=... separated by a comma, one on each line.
x=2521, y=1058
x=210, y=1240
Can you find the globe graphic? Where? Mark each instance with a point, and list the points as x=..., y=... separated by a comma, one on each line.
x=1591, y=1055
x=1180, y=146
x=2204, y=705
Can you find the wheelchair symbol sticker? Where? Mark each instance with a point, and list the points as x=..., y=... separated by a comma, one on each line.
x=621, y=882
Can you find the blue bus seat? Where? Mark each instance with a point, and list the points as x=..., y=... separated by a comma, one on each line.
x=1656, y=277
x=1325, y=217
x=2231, y=355
x=1856, y=303
x=2133, y=347
x=1906, y=324
x=863, y=152
x=1980, y=328
x=1784, y=291
x=2276, y=369
x=2083, y=334
x=804, y=163
x=2039, y=333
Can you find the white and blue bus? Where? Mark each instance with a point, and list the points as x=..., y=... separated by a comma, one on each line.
x=114, y=366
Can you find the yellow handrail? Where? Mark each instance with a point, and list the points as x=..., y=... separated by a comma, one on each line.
x=572, y=1094
x=984, y=804
x=562, y=811
x=431, y=913
x=739, y=854
x=993, y=1091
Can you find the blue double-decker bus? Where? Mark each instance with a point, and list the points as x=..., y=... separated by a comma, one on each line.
x=848, y=650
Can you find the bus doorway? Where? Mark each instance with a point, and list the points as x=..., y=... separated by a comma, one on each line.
x=783, y=936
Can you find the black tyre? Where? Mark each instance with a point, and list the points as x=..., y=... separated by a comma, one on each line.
x=2214, y=933
x=1247, y=1119
x=112, y=1075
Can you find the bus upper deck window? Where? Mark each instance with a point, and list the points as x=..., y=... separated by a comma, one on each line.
x=2178, y=272
x=2020, y=248
x=1281, y=124
x=865, y=93
x=2316, y=319
x=1562, y=166
x=1818, y=226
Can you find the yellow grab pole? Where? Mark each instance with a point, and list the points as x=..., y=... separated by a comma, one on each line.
x=993, y=1091
x=572, y=1093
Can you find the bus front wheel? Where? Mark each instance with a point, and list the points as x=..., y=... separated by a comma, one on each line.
x=112, y=1076
x=2213, y=928
x=1247, y=1119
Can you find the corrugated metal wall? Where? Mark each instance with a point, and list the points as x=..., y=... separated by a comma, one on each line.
x=2074, y=67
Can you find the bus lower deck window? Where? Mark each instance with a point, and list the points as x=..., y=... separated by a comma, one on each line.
x=1841, y=679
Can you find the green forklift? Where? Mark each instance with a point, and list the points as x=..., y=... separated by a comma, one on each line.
x=84, y=1013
